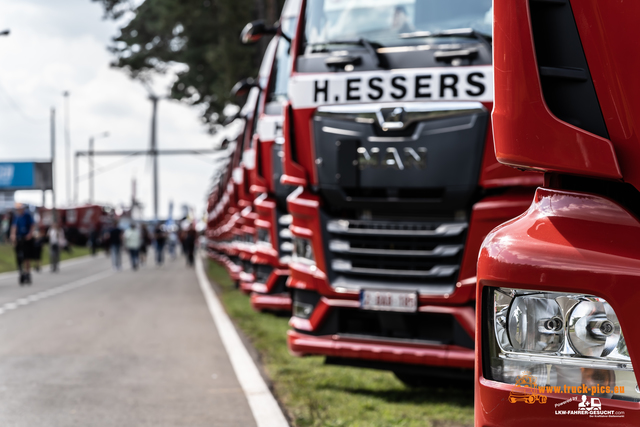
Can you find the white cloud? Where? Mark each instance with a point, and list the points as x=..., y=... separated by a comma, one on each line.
x=61, y=45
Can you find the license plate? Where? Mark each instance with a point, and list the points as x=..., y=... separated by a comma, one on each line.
x=389, y=301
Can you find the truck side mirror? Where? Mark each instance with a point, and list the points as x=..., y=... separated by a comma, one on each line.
x=243, y=87
x=253, y=31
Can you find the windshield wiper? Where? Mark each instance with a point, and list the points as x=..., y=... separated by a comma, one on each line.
x=379, y=60
x=455, y=32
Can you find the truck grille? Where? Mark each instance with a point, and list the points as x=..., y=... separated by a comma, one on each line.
x=422, y=256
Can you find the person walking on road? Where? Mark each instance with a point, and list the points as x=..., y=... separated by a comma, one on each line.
x=22, y=239
x=190, y=244
x=38, y=242
x=144, y=243
x=56, y=242
x=173, y=243
x=132, y=241
x=114, y=237
x=94, y=240
x=160, y=237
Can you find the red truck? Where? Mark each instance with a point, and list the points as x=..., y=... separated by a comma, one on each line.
x=557, y=285
x=78, y=222
x=273, y=240
x=388, y=143
x=229, y=224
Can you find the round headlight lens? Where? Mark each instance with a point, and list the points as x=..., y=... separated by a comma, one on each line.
x=594, y=330
x=535, y=324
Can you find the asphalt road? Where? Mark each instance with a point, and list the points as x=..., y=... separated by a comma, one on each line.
x=93, y=347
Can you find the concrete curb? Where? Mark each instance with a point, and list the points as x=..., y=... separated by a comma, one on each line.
x=263, y=405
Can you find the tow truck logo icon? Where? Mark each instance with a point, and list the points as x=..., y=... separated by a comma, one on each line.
x=590, y=406
x=528, y=392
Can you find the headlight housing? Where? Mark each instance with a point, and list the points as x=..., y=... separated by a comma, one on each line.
x=303, y=251
x=302, y=310
x=561, y=339
x=263, y=236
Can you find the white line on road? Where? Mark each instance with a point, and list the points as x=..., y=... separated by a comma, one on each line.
x=263, y=405
x=21, y=302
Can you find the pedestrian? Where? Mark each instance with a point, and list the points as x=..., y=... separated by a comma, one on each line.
x=10, y=217
x=182, y=236
x=190, y=244
x=173, y=243
x=57, y=241
x=132, y=241
x=93, y=240
x=38, y=242
x=144, y=243
x=22, y=239
x=114, y=237
x=5, y=226
x=160, y=237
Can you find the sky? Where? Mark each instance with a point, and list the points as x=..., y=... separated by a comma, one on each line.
x=61, y=45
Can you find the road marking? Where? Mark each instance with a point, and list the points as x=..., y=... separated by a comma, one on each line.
x=21, y=302
x=263, y=405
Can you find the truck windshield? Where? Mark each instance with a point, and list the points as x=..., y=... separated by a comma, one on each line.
x=390, y=23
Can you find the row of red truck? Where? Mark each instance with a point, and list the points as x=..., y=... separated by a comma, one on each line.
x=363, y=192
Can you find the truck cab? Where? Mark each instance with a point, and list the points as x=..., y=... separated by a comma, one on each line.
x=557, y=285
x=229, y=225
x=388, y=143
x=273, y=248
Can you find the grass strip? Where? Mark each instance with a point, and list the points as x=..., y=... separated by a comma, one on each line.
x=8, y=257
x=315, y=394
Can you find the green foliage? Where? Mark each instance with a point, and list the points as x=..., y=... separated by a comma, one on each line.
x=315, y=394
x=200, y=36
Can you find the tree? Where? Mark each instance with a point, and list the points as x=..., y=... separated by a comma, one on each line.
x=202, y=36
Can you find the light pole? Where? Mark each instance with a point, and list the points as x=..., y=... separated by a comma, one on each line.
x=67, y=143
x=154, y=153
x=91, y=143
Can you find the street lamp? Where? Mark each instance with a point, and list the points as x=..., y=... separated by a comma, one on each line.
x=91, y=143
x=5, y=32
x=67, y=144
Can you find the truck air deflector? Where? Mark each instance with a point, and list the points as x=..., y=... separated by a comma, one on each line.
x=528, y=133
x=565, y=79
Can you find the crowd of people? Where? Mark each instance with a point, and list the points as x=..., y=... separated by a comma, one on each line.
x=28, y=239
x=137, y=238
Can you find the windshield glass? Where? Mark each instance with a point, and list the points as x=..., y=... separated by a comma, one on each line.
x=390, y=22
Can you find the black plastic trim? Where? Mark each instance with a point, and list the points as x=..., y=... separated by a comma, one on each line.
x=566, y=83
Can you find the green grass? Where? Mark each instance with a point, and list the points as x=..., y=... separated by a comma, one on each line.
x=315, y=394
x=8, y=257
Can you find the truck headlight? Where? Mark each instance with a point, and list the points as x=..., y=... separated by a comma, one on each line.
x=562, y=339
x=263, y=236
x=302, y=251
x=301, y=309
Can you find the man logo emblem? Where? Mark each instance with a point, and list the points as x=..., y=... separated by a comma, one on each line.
x=392, y=158
x=391, y=118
